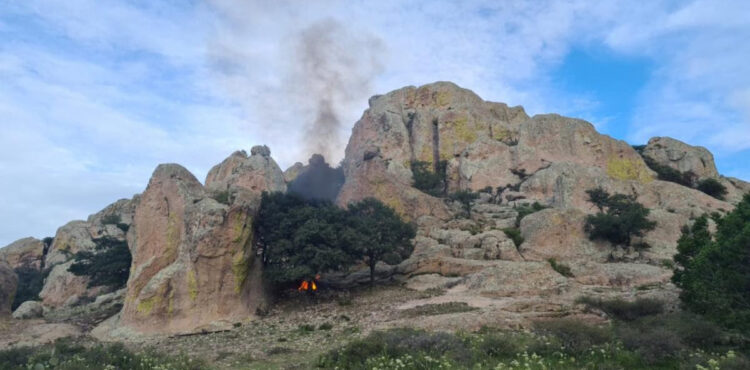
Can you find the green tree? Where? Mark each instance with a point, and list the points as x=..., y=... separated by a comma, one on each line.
x=622, y=219
x=108, y=266
x=301, y=239
x=466, y=198
x=599, y=197
x=30, y=283
x=427, y=180
x=713, y=271
x=380, y=234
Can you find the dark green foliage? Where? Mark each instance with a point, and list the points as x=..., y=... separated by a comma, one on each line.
x=108, y=266
x=427, y=180
x=111, y=219
x=66, y=355
x=378, y=234
x=639, y=148
x=714, y=272
x=30, y=283
x=624, y=310
x=622, y=219
x=301, y=238
x=223, y=197
x=525, y=210
x=667, y=173
x=514, y=234
x=713, y=188
x=599, y=197
x=466, y=198
x=560, y=267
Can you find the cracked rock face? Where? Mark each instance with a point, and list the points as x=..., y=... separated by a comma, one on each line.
x=485, y=144
x=28, y=252
x=194, y=262
x=682, y=157
x=8, y=285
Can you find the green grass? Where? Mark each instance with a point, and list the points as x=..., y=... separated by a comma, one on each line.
x=68, y=355
x=432, y=309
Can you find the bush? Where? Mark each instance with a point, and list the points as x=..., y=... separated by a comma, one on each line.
x=713, y=188
x=466, y=198
x=576, y=336
x=653, y=344
x=624, y=310
x=713, y=271
x=30, y=283
x=108, y=266
x=222, y=197
x=561, y=268
x=670, y=174
x=427, y=180
x=622, y=219
x=514, y=234
x=66, y=355
x=525, y=210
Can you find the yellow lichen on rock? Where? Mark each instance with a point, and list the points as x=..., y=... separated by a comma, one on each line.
x=145, y=306
x=628, y=169
x=192, y=285
x=240, y=268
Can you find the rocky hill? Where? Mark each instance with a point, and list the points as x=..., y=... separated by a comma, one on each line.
x=194, y=266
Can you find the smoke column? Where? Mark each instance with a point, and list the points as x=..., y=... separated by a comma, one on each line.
x=333, y=69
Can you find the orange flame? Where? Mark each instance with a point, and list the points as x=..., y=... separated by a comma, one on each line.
x=309, y=285
x=303, y=286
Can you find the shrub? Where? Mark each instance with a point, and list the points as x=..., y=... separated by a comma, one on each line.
x=576, y=336
x=30, y=283
x=653, y=344
x=514, y=234
x=466, y=198
x=222, y=197
x=561, y=268
x=525, y=210
x=325, y=326
x=427, y=180
x=670, y=174
x=623, y=219
x=624, y=310
x=108, y=266
x=713, y=188
x=66, y=355
x=713, y=271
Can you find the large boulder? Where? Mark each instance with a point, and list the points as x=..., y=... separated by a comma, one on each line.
x=485, y=144
x=194, y=260
x=8, y=286
x=26, y=252
x=114, y=221
x=28, y=310
x=246, y=176
x=682, y=157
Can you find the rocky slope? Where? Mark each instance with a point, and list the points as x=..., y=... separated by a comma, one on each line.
x=194, y=261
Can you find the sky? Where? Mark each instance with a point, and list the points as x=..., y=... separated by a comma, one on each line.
x=95, y=93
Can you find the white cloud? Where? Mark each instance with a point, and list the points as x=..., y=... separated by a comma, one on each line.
x=94, y=94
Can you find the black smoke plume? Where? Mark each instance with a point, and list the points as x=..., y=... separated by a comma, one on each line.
x=317, y=180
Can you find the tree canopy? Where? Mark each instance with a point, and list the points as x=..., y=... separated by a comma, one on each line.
x=619, y=219
x=303, y=238
x=714, y=270
x=108, y=266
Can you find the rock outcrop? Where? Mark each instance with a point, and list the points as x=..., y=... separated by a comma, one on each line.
x=194, y=262
x=485, y=144
x=28, y=310
x=8, y=285
x=682, y=157
x=26, y=252
x=243, y=176
x=62, y=286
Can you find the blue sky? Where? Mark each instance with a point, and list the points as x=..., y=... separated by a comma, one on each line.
x=94, y=94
